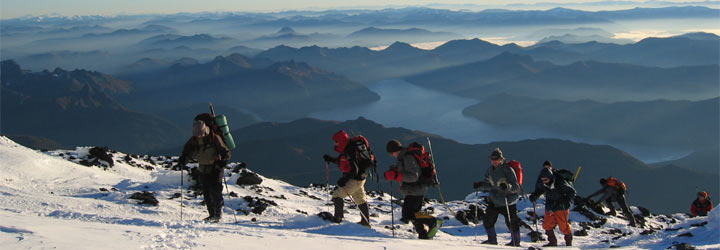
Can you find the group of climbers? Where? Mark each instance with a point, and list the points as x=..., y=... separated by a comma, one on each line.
x=415, y=172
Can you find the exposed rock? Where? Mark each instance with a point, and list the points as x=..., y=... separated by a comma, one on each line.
x=249, y=178
x=145, y=198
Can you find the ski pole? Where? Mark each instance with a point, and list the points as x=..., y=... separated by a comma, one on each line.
x=227, y=190
x=432, y=158
x=392, y=210
x=477, y=221
x=358, y=206
x=182, y=172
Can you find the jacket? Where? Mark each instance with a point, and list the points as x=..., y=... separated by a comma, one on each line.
x=208, y=150
x=494, y=177
x=408, y=167
x=558, y=194
x=698, y=208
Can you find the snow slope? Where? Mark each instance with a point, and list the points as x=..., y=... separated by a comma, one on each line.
x=49, y=200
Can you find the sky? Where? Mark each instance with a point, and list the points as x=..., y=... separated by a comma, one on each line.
x=19, y=8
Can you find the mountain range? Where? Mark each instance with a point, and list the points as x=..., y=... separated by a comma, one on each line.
x=78, y=108
x=522, y=75
x=281, y=90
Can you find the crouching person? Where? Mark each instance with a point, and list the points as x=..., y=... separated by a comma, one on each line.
x=558, y=194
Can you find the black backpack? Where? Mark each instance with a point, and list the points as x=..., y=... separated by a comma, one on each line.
x=360, y=154
x=565, y=174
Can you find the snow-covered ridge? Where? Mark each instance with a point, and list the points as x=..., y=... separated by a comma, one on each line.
x=52, y=199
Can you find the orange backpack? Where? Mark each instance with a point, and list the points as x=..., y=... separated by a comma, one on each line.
x=618, y=184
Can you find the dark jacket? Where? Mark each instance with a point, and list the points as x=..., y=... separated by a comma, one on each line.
x=494, y=177
x=558, y=194
x=408, y=167
x=212, y=143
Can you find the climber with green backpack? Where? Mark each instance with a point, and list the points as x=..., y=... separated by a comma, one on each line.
x=210, y=146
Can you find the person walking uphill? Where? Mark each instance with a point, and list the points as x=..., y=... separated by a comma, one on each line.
x=212, y=156
x=558, y=194
x=353, y=177
x=613, y=190
x=501, y=181
x=702, y=205
x=413, y=186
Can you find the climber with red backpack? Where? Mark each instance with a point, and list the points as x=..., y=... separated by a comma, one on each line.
x=415, y=172
x=702, y=205
x=614, y=190
x=502, y=183
x=354, y=160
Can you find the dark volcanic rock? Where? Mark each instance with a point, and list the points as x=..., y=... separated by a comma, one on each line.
x=145, y=198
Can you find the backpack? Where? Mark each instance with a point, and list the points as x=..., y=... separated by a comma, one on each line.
x=358, y=152
x=428, y=175
x=517, y=167
x=617, y=184
x=218, y=126
x=565, y=174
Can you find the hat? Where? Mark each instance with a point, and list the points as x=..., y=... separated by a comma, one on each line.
x=546, y=173
x=497, y=153
x=205, y=117
x=393, y=146
x=547, y=163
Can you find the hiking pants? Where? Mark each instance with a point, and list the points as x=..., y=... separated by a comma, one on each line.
x=492, y=213
x=623, y=206
x=355, y=188
x=559, y=218
x=211, y=182
x=412, y=204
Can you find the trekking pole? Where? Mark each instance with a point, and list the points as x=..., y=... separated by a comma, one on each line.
x=358, y=206
x=477, y=221
x=392, y=210
x=577, y=173
x=182, y=172
x=537, y=239
x=227, y=190
x=437, y=181
x=508, y=213
x=327, y=181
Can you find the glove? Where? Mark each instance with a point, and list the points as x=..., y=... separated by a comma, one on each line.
x=342, y=181
x=533, y=198
x=328, y=158
x=503, y=186
x=477, y=184
x=391, y=174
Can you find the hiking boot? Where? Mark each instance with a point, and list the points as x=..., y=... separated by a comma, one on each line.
x=365, y=215
x=552, y=241
x=568, y=239
x=488, y=242
x=339, y=210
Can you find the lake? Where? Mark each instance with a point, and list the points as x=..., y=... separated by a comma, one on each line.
x=403, y=104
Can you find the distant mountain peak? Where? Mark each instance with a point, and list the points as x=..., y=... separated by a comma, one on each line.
x=399, y=47
x=286, y=30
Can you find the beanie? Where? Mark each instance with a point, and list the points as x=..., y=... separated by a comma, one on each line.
x=393, y=146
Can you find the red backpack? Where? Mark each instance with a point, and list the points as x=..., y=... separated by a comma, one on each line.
x=517, y=167
x=618, y=184
x=428, y=174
